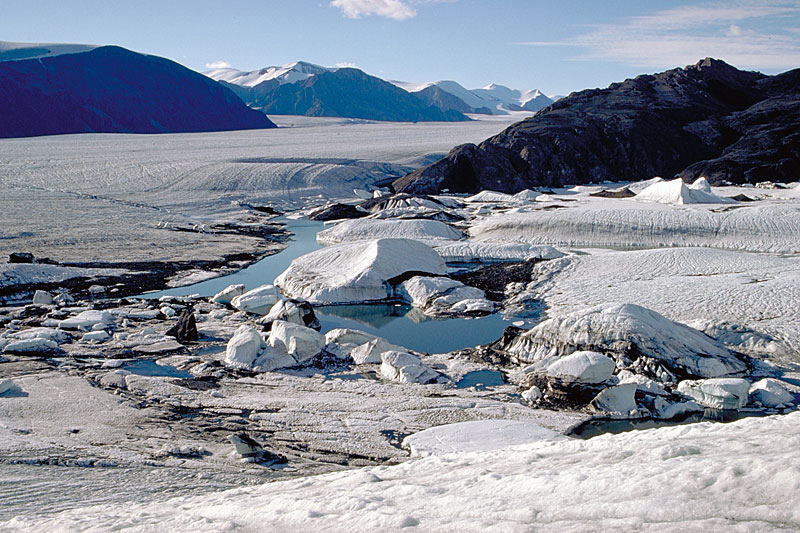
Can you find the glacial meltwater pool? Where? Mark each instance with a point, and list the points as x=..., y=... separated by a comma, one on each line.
x=399, y=324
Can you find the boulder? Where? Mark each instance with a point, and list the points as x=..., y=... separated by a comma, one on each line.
x=356, y=272
x=404, y=367
x=229, y=293
x=665, y=410
x=186, y=328
x=336, y=212
x=114, y=379
x=717, y=393
x=35, y=345
x=770, y=393
x=370, y=352
x=294, y=311
x=582, y=367
x=6, y=385
x=21, y=257
x=257, y=301
x=42, y=298
x=96, y=336
x=243, y=348
x=87, y=319
x=300, y=342
x=617, y=402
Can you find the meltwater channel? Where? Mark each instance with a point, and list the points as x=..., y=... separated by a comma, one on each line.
x=399, y=324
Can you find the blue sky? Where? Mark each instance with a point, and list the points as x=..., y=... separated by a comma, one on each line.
x=557, y=47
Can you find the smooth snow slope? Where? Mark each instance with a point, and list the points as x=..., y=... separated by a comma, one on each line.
x=741, y=476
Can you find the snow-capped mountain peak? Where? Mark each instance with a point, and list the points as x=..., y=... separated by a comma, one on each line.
x=288, y=73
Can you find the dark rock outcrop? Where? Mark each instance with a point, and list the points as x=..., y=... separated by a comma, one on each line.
x=336, y=212
x=113, y=90
x=707, y=119
x=185, y=330
x=345, y=92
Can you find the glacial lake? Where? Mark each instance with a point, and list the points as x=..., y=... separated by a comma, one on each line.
x=399, y=324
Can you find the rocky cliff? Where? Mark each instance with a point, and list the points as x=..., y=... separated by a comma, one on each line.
x=707, y=119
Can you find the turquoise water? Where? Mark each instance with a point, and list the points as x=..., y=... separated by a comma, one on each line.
x=406, y=326
x=303, y=241
x=399, y=324
x=148, y=367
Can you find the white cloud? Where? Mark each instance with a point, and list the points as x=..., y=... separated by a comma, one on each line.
x=346, y=64
x=218, y=64
x=682, y=35
x=393, y=9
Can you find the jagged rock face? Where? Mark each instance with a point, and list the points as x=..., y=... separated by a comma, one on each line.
x=707, y=119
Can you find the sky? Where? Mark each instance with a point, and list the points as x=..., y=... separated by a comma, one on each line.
x=557, y=47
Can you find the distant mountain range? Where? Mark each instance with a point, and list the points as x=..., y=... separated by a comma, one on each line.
x=53, y=89
x=305, y=89
x=708, y=119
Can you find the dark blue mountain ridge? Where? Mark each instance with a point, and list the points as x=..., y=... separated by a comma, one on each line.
x=113, y=90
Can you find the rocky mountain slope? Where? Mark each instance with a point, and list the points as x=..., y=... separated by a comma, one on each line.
x=111, y=89
x=708, y=119
x=343, y=92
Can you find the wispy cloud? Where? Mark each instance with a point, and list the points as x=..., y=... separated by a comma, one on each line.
x=218, y=64
x=346, y=64
x=749, y=34
x=393, y=9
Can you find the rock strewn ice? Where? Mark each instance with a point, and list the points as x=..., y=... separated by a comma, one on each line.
x=356, y=272
x=653, y=479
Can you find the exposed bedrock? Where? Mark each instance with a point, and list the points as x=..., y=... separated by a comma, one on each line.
x=708, y=119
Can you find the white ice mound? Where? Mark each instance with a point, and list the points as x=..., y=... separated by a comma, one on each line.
x=437, y=296
x=404, y=367
x=718, y=393
x=243, y=348
x=257, y=301
x=677, y=192
x=492, y=252
x=477, y=436
x=770, y=393
x=300, y=342
x=628, y=329
x=617, y=402
x=356, y=272
x=361, y=229
x=582, y=367
x=229, y=293
x=490, y=197
x=87, y=319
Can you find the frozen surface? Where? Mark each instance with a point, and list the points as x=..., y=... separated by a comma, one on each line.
x=673, y=478
x=769, y=226
x=748, y=300
x=85, y=197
